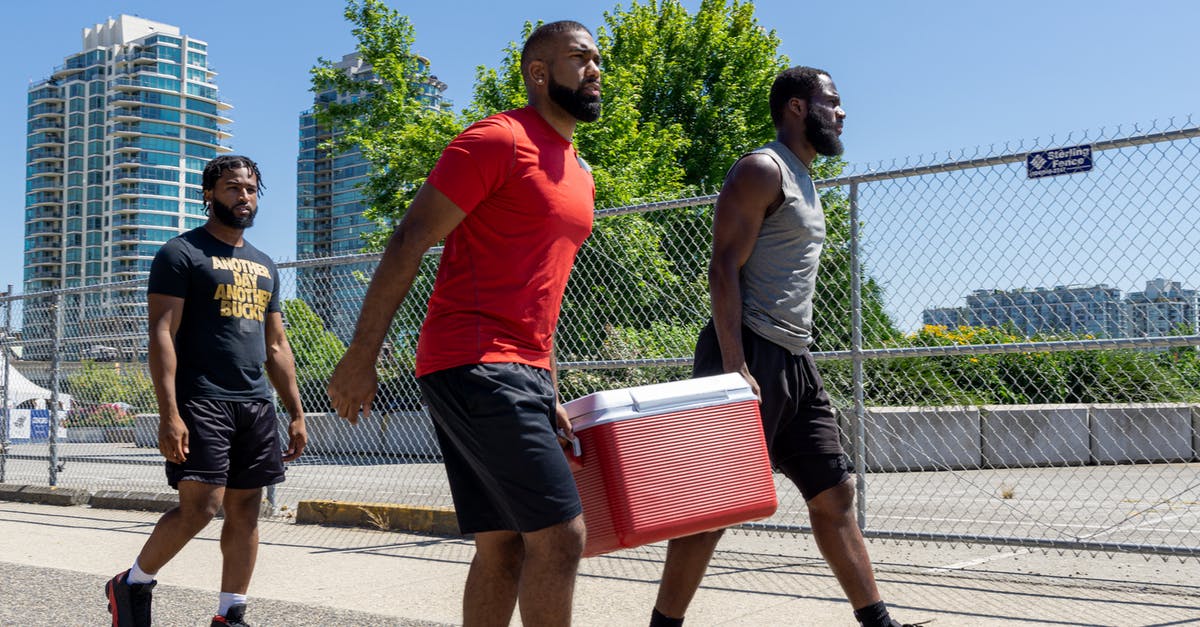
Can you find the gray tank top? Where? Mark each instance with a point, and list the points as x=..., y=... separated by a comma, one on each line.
x=780, y=276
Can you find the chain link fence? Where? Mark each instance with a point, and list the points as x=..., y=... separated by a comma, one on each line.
x=1013, y=357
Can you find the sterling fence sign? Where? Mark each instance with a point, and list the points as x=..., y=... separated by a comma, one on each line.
x=1059, y=161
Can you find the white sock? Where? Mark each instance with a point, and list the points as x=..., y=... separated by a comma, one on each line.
x=228, y=600
x=137, y=575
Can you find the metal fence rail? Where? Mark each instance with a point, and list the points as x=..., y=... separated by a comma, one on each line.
x=1009, y=357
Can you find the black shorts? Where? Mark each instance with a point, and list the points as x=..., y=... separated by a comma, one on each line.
x=798, y=420
x=230, y=443
x=495, y=424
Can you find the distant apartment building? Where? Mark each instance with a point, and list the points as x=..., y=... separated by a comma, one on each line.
x=330, y=209
x=1164, y=307
x=117, y=138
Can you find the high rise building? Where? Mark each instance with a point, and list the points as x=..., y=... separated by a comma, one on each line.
x=118, y=136
x=1164, y=308
x=1081, y=309
x=330, y=218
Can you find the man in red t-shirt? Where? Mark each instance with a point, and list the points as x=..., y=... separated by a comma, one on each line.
x=514, y=203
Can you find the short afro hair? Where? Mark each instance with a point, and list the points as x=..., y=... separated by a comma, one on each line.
x=794, y=82
x=219, y=166
x=535, y=45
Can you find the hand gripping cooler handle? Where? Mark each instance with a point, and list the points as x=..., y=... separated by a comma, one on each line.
x=576, y=445
x=651, y=400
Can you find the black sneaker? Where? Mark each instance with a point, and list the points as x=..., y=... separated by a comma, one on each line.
x=129, y=603
x=234, y=617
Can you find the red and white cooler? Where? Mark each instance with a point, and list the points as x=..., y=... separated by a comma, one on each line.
x=669, y=460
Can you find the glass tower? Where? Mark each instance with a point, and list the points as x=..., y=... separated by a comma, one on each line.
x=330, y=205
x=118, y=136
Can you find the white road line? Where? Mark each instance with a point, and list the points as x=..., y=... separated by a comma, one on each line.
x=976, y=562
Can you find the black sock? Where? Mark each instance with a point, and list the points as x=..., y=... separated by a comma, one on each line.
x=874, y=615
x=657, y=619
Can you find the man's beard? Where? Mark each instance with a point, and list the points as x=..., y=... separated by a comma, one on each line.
x=581, y=106
x=225, y=215
x=823, y=137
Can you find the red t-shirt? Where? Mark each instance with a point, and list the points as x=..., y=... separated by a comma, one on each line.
x=529, y=200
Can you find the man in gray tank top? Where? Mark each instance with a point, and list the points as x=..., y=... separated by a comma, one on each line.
x=768, y=230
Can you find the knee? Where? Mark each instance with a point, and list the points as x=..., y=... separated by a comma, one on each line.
x=499, y=553
x=562, y=543
x=834, y=504
x=241, y=510
x=198, y=514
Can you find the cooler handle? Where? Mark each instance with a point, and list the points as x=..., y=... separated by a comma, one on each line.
x=645, y=400
x=576, y=445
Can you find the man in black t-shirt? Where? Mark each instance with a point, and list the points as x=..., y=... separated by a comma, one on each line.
x=217, y=344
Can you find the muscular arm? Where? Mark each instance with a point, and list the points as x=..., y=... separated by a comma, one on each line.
x=751, y=192
x=165, y=313
x=430, y=218
x=281, y=370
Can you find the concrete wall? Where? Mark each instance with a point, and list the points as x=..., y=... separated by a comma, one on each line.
x=923, y=438
x=1035, y=435
x=1021, y=436
x=1142, y=432
x=898, y=438
x=1196, y=432
x=408, y=434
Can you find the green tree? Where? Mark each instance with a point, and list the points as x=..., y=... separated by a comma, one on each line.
x=112, y=383
x=316, y=350
x=684, y=95
x=397, y=132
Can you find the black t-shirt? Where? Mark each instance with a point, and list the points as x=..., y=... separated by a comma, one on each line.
x=228, y=291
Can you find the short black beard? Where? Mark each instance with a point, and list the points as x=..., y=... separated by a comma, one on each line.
x=225, y=216
x=582, y=107
x=824, y=138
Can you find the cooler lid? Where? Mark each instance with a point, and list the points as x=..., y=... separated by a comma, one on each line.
x=659, y=398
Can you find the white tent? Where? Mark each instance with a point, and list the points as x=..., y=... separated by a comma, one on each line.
x=26, y=394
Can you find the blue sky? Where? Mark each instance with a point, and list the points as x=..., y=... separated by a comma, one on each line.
x=917, y=78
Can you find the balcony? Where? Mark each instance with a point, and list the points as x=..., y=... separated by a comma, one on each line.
x=43, y=123
x=138, y=56
x=119, y=113
x=135, y=189
x=64, y=70
x=43, y=198
x=49, y=139
x=44, y=169
x=43, y=213
x=46, y=108
x=42, y=272
x=124, y=128
x=49, y=94
x=40, y=228
x=43, y=258
x=42, y=182
x=127, y=160
x=43, y=243
x=125, y=143
x=46, y=154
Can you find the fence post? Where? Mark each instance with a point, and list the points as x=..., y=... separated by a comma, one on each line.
x=859, y=437
x=55, y=365
x=4, y=353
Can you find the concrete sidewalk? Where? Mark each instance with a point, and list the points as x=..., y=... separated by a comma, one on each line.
x=55, y=560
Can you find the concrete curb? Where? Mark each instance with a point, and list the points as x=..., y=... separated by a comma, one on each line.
x=45, y=495
x=384, y=516
x=142, y=501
